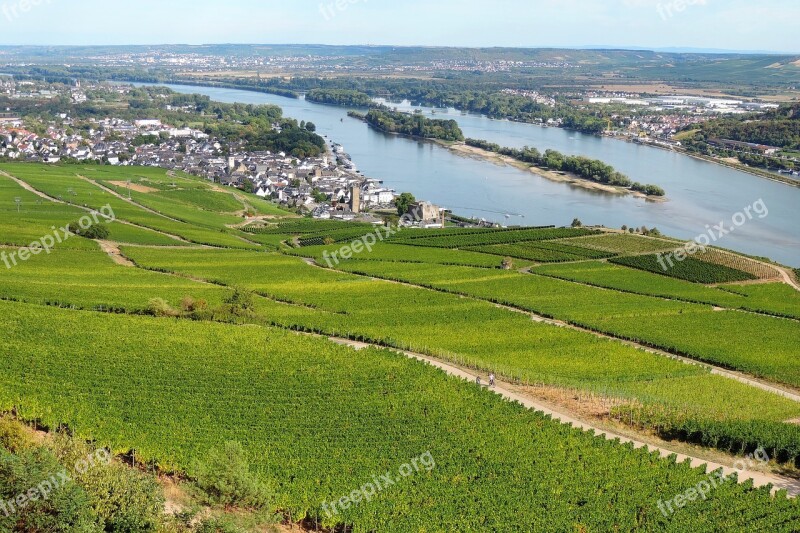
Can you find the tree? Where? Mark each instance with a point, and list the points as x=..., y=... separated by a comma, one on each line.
x=403, y=202
x=319, y=196
x=310, y=126
x=577, y=223
x=241, y=301
x=247, y=186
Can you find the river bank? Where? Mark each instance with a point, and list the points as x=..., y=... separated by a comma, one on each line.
x=700, y=193
x=556, y=176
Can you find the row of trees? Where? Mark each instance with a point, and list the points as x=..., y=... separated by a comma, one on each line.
x=779, y=127
x=591, y=169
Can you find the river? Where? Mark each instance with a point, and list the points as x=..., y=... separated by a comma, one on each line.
x=700, y=194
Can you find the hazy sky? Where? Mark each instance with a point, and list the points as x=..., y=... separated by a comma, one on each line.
x=720, y=24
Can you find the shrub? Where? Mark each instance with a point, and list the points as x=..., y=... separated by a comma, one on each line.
x=218, y=525
x=240, y=302
x=13, y=436
x=225, y=477
x=66, y=509
x=159, y=307
x=95, y=231
x=122, y=498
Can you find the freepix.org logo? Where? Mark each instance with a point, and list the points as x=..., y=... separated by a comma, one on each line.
x=14, y=10
x=59, y=235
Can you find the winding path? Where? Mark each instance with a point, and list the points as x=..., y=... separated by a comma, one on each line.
x=28, y=187
x=730, y=374
x=760, y=479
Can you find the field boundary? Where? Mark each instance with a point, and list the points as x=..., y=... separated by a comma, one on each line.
x=759, y=479
x=747, y=379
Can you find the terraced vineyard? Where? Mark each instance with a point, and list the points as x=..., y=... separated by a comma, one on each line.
x=496, y=237
x=737, y=262
x=319, y=420
x=771, y=298
x=65, y=184
x=388, y=251
x=543, y=252
x=381, y=410
x=760, y=345
x=624, y=243
x=298, y=227
x=690, y=269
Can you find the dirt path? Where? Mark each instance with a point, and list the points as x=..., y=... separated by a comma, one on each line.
x=112, y=249
x=759, y=478
x=30, y=188
x=780, y=390
x=787, y=278
x=122, y=197
x=41, y=194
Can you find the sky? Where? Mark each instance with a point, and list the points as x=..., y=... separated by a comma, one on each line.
x=763, y=25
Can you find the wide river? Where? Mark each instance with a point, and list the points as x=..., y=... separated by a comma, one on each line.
x=700, y=194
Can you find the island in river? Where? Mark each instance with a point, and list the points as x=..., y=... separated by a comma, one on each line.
x=449, y=135
x=465, y=150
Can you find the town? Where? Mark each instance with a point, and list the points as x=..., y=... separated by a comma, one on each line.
x=327, y=185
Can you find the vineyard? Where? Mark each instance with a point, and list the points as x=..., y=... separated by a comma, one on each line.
x=543, y=252
x=63, y=183
x=167, y=353
x=513, y=347
x=380, y=411
x=496, y=237
x=756, y=344
x=619, y=243
x=301, y=226
x=773, y=298
x=737, y=262
x=690, y=269
x=388, y=251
